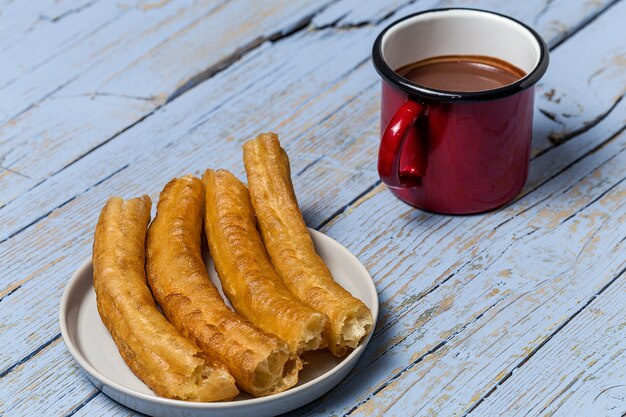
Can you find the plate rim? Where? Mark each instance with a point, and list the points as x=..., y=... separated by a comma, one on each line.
x=104, y=380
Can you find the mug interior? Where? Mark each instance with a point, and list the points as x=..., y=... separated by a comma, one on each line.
x=460, y=32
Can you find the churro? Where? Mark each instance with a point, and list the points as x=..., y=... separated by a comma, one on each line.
x=170, y=364
x=245, y=270
x=291, y=249
x=260, y=362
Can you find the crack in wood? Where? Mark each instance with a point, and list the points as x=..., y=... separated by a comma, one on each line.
x=544, y=342
x=105, y=94
x=337, y=25
x=206, y=116
x=560, y=138
x=30, y=355
x=93, y=395
x=12, y=171
x=309, y=165
x=345, y=26
x=543, y=11
x=416, y=361
x=69, y=12
x=3, y=158
x=62, y=50
x=43, y=216
x=37, y=220
x=17, y=287
x=350, y=203
x=83, y=155
x=242, y=51
x=527, y=192
x=605, y=192
x=45, y=97
x=303, y=24
x=583, y=24
x=591, y=78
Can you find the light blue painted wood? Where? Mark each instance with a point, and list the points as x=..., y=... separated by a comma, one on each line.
x=358, y=46
x=46, y=59
x=492, y=287
x=103, y=406
x=555, y=19
x=114, y=90
x=330, y=126
x=113, y=67
x=592, y=384
x=48, y=369
x=20, y=20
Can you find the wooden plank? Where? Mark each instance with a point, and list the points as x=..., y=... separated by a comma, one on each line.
x=579, y=372
x=295, y=93
x=46, y=369
x=20, y=19
x=466, y=299
x=320, y=194
x=34, y=34
x=567, y=104
x=114, y=66
x=102, y=405
x=430, y=306
x=75, y=215
x=100, y=93
x=361, y=125
x=555, y=19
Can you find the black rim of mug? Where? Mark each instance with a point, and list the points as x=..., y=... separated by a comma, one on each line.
x=420, y=91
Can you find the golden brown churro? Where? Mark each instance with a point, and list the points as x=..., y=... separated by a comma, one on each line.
x=245, y=270
x=260, y=362
x=291, y=249
x=167, y=362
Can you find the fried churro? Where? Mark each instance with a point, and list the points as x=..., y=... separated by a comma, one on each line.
x=260, y=362
x=245, y=270
x=291, y=249
x=170, y=364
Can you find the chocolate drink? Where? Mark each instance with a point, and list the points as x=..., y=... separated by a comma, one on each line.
x=462, y=73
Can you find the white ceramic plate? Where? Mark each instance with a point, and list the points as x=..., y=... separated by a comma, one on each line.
x=91, y=345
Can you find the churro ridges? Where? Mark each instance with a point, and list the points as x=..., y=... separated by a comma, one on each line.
x=291, y=249
x=170, y=364
x=260, y=362
x=244, y=268
x=273, y=277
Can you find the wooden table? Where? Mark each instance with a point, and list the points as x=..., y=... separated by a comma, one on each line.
x=521, y=311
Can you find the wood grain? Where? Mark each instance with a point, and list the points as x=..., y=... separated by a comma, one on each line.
x=356, y=166
x=592, y=383
x=233, y=152
x=102, y=405
x=477, y=294
x=555, y=19
x=113, y=65
x=350, y=73
x=601, y=86
x=464, y=301
x=46, y=370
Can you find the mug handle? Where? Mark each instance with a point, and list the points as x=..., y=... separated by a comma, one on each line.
x=391, y=144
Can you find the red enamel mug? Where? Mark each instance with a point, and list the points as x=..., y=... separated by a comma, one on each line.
x=456, y=152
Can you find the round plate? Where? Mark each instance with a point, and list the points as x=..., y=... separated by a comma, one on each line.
x=91, y=345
